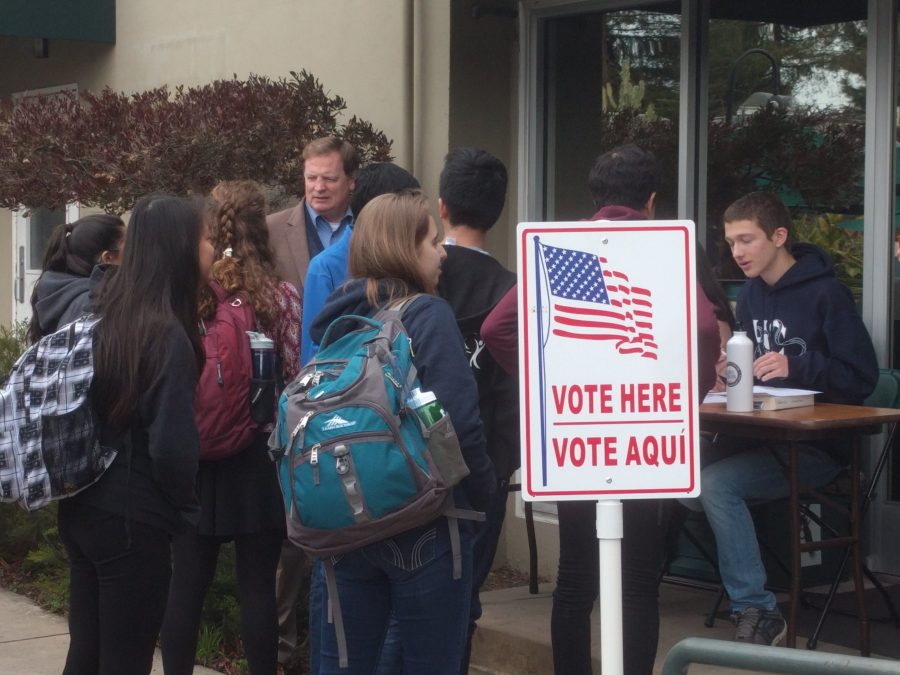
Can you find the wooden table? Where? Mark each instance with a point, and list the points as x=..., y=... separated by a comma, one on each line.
x=802, y=425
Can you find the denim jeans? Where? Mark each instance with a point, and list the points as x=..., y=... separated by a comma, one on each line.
x=486, y=537
x=407, y=578
x=727, y=487
x=119, y=578
x=645, y=524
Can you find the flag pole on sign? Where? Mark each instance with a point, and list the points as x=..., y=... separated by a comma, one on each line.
x=540, y=354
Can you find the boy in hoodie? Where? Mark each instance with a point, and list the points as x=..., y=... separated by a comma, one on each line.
x=472, y=193
x=807, y=334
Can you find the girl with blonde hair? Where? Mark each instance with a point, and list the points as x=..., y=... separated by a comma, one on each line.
x=396, y=255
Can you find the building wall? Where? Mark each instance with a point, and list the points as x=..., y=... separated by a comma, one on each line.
x=349, y=45
x=389, y=60
x=483, y=100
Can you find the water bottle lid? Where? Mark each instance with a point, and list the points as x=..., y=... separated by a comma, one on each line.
x=260, y=341
x=418, y=398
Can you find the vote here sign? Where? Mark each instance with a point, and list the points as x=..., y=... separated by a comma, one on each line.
x=607, y=360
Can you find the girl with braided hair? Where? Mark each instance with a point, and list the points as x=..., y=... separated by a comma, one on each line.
x=239, y=496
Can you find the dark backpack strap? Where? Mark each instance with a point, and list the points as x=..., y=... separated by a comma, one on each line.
x=220, y=293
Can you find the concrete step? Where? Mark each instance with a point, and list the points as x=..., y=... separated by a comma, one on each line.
x=513, y=636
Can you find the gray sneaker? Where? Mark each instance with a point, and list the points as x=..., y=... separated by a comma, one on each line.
x=759, y=626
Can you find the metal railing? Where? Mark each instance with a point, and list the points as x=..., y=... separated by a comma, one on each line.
x=770, y=659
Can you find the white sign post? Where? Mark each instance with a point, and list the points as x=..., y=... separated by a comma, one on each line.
x=607, y=362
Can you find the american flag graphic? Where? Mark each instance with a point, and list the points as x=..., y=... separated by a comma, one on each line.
x=592, y=301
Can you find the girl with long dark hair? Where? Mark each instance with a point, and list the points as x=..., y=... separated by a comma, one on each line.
x=147, y=356
x=76, y=258
x=239, y=496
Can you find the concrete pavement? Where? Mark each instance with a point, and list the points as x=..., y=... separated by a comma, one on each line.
x=513, y=637
x=35, y=642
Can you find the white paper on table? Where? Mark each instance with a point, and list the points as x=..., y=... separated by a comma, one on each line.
x=720, y=396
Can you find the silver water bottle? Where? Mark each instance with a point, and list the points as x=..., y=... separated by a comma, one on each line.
x=739, y=373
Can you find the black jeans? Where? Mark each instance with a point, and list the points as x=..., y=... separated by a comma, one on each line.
x=577, y=584
x=195, y=557
x=119, y=576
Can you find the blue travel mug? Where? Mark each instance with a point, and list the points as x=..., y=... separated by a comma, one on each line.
x=262, y=351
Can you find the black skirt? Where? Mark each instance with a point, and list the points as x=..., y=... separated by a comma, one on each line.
x=240, y=495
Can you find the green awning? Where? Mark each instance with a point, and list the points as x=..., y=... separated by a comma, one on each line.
x=89, y=20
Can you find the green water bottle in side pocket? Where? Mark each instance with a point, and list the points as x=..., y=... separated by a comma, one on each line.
x=426, y=406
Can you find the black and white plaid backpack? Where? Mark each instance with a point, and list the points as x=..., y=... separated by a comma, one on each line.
x=48, y=441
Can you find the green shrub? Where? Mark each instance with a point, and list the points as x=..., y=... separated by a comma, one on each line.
x=12, y=344
x=108, y=148
x=209, y=644
x=845, y=246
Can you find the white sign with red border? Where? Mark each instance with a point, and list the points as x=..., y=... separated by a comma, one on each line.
x=608, y=360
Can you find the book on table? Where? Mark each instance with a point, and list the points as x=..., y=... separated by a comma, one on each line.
x=772, y=398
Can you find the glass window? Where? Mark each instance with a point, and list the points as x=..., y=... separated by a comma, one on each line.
x=41, y=224
x=609, y=78
x=787, y=114
x=894, y=467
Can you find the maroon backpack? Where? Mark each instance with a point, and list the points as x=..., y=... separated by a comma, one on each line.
x=222, y=406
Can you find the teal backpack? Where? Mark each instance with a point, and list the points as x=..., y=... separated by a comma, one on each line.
x=356, y=464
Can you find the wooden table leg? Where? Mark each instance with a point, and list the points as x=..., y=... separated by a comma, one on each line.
x=793, y=469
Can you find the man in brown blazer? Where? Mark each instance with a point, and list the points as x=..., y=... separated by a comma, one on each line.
x=297, y=234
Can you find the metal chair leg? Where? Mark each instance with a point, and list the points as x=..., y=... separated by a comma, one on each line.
x=711, y=617
x=532, y=550
x=532, y=543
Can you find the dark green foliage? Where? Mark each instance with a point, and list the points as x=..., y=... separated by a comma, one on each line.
x=106, y=149
x=812, y=159
x=12, y=344
x=32, y=558
x=221, y=609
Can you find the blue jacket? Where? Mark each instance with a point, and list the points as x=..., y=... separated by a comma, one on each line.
x=327, y=271
x=810, y=317
x=443, y=369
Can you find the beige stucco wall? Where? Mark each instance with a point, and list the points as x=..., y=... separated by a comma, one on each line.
x=389, y=60
x=357, y=48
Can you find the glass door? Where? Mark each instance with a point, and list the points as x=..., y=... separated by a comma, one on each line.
x=31, y=231
x=603, y=77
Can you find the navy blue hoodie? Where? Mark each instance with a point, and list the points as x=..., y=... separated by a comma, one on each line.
x=810, y=317
x=443, y=369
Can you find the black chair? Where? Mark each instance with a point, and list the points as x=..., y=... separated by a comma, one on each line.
x=846, y=500
x=532, y=542
x=886, y=395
